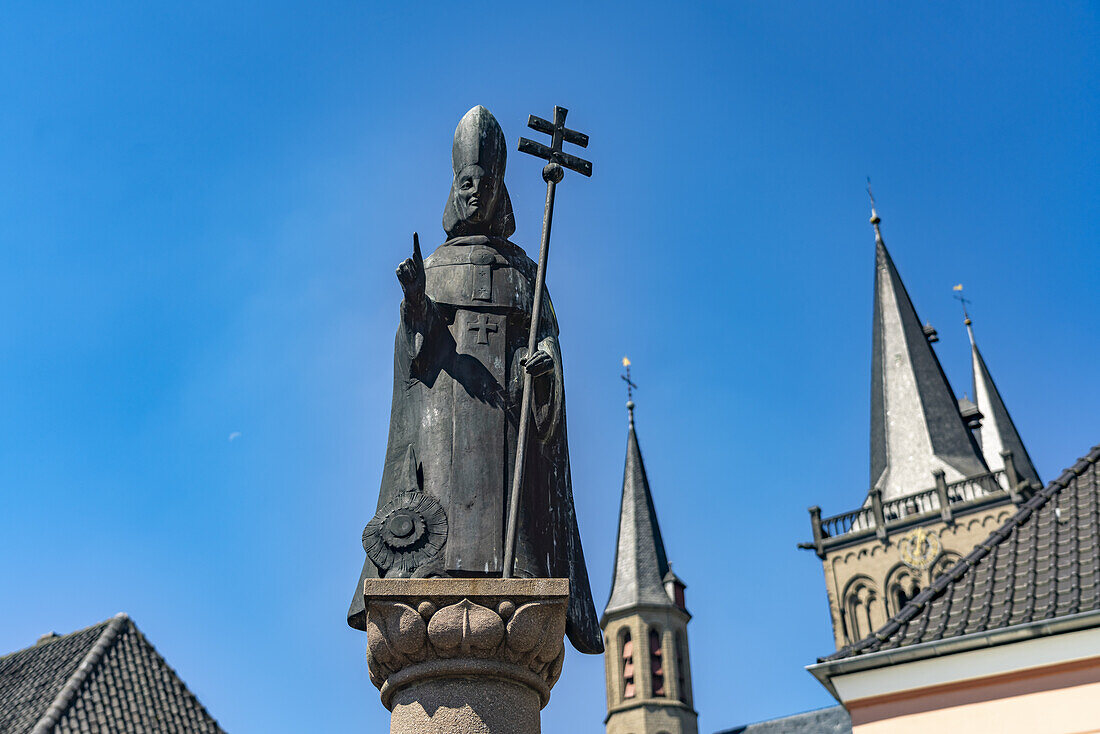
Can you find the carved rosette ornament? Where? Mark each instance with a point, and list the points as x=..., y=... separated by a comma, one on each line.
x=433, y=629
x=406, y=533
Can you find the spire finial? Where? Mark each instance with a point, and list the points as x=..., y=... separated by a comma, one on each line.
x=630, y=388
x=964, y=302
x=874, y=215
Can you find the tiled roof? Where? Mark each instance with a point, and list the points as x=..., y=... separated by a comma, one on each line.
x=31, y=679
x=1041, y=564
x=103, y=679
x=833, y=720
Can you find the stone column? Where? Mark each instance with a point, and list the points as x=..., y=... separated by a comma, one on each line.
x=465, y=656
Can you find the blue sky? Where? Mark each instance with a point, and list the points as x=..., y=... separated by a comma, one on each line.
x=201, y=210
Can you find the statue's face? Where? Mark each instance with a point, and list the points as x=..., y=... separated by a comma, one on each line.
x=476, y=194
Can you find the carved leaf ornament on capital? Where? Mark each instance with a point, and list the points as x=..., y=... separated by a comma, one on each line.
x=531, y=636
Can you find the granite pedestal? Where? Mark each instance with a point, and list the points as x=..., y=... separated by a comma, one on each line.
x=465, y=656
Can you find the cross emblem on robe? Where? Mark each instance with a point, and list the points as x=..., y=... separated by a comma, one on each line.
x=483, y=324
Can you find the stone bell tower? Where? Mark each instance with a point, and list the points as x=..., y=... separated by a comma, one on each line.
x=944, y=470
x=645, y=621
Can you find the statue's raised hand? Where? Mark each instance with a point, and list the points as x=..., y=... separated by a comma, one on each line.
x=411, y=275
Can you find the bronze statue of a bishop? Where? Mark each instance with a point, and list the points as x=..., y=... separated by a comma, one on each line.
x=458, y=372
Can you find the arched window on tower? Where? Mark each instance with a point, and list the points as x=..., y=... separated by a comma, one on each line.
x=903, y=596
x=656, y=664
x=902, y=584
x=681, y=676
x=628, y=665
x=863, y=611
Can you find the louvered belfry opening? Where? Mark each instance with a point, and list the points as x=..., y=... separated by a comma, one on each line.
x=628, y=666
x=656, y=664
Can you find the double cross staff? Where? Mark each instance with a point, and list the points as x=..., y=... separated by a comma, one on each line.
x=552, y=173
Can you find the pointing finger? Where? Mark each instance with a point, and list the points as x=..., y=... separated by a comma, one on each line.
x=417, y=257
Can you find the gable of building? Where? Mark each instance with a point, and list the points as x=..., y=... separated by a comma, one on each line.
x=106, y=678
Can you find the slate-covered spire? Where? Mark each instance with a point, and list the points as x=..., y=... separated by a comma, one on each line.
x=997, y=432
x=916, y=427
x=640, y=561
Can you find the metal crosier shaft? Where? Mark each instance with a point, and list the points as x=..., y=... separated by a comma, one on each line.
x=552, y=173
x=528, y=383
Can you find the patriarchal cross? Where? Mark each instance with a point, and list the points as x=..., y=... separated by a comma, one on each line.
x=552, y=173
x=484, y=325
x=558, y=134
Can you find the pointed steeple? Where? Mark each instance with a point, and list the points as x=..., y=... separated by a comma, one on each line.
x=997, y=432
x=645, y=621
x=916, y=427
x=640, y=561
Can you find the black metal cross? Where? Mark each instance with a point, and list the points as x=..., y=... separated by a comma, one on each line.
x=630, y=386
x=558, y=134
x=482, y=324
x=965, y=304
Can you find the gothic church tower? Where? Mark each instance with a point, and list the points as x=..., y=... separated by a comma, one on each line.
x=645, y=622
x=944, y=470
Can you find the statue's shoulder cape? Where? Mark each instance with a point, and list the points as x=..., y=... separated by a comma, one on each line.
x=474, y=249
x=453, y=279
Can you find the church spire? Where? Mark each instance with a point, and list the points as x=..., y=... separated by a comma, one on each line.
x=645, y=622
x=916, y=427
x=997, y=432
x=640, y=561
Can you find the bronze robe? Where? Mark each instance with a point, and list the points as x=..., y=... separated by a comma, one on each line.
x=458, y=384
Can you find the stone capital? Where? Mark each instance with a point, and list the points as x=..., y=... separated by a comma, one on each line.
x=425, y=635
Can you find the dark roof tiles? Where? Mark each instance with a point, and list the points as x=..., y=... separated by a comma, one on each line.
x=1042, y=563
x=31, y=679
x=833, y=720
x=104, y=679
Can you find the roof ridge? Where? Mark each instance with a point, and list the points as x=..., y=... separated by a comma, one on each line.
x=68, y=691
x=55, y=637
x=962, y=566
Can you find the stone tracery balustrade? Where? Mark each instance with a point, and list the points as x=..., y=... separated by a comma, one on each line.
x=925, y=502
